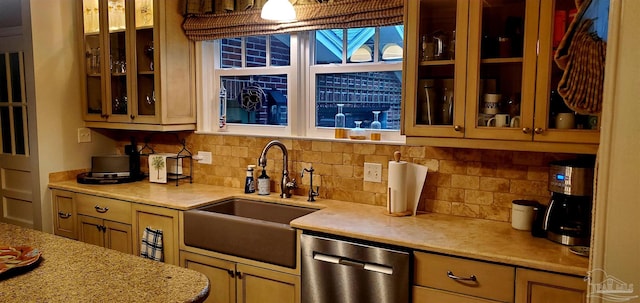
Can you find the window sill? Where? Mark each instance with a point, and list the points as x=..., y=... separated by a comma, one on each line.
x=382, y=142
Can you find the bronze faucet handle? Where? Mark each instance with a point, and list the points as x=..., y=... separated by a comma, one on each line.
x=291, y=184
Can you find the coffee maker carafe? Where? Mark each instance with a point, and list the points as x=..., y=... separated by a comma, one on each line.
x=568, y=217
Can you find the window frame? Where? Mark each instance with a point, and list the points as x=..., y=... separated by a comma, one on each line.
x=301, y=99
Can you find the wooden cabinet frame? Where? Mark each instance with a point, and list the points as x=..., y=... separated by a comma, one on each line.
x=536, y=67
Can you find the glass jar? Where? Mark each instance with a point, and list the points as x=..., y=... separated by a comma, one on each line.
x=376, y=126
x=358, y=133
x=340, y=124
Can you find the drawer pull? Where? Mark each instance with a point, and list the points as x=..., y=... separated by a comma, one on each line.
x=454, y=277
x=64, y=215
x=101, y=210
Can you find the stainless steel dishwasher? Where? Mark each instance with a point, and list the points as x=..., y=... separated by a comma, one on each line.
x=338, y=270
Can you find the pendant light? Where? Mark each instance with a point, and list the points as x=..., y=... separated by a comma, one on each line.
x=278, y=10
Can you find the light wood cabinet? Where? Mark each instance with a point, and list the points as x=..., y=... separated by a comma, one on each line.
x=461, y=279
x=104, y=222
x=236, y=282
x=105, y=233
x=539, y=287
x=114, y=224
x=64, y=214
x=157, y=218
x=138, y=65
x=497, y=50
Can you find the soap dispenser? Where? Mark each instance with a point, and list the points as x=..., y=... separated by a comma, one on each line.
x=250, y=185
x=264, y=186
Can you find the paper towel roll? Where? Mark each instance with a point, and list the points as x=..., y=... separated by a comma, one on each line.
x=397, y=193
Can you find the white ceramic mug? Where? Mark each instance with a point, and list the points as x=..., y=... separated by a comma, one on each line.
x=565, y=121
x=491, y=103
x=515, y=121
x=499, y=120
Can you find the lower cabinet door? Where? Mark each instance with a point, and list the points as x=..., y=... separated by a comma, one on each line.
x=90, y=230
x=259, y=285
x=64, y=214
x=117, y=236
x=163, y=219
x=540, y=287
x=105, y=233
x=430, y=295
x=221, y=274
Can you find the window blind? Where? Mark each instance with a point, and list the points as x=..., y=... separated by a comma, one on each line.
x=216, y=19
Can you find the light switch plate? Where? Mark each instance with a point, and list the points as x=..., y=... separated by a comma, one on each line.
x=373, y=172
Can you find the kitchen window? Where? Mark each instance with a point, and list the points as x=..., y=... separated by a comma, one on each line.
x=291, y=84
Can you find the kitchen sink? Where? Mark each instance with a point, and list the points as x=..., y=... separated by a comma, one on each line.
x=246, y=228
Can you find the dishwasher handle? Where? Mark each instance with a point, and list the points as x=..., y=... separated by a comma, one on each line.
x=353, y=263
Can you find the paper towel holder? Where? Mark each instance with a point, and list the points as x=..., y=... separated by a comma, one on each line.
x=388, y=210
x=396, y=156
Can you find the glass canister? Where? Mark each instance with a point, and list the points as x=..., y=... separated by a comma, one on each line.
x=376, y=126
x=340, y=123
x=358, y=133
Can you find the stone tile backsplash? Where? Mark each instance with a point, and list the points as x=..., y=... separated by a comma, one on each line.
x=462, y=182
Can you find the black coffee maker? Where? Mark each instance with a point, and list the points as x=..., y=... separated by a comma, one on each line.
x=568, y=217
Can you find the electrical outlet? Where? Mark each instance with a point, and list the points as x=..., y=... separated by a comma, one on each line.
x=84, y=135
x=373, y=172
x=204, y=157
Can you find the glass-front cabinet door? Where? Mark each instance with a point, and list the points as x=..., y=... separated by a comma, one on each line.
x=94, y=106
x=118, y=95
x=501, y=80
x=554, y=121
x=119, y=42
x=145, y=108
x=435, y=70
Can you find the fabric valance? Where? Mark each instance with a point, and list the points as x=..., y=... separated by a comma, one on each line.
x=216, y=19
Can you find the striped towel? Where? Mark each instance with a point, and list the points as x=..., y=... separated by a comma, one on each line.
x=151, y=247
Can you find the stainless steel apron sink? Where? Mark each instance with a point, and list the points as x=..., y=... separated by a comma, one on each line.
x=246, y=228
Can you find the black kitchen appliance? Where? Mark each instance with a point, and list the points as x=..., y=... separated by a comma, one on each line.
x=110, y=169
x=567, y=220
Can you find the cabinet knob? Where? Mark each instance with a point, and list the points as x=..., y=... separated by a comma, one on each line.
x=538, y=130
x=526, y=130
x=64, y=215
x=457, y=128
x=132, y=116
x=232, y=273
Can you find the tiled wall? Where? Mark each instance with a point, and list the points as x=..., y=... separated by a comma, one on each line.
x=461, y=182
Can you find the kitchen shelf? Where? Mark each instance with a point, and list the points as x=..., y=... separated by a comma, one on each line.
x=437, y=62
x=502, y=60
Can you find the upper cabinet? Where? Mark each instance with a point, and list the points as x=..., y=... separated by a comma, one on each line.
x=484, y=71
x=138, y=66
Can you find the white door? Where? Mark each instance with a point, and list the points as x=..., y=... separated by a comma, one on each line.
x=16, y=194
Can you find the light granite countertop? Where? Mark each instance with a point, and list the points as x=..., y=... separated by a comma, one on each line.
x=73, y=271
x=465, y=237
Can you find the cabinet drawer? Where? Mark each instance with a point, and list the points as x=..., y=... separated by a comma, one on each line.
x=492, y=281
x=430, y=295
x=104, y=208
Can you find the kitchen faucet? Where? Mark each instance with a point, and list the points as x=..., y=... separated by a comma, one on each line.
x=312, y=194
x=286, y=185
